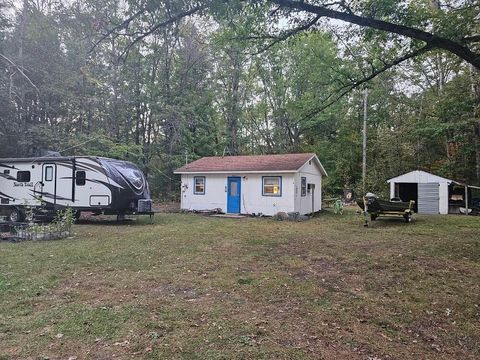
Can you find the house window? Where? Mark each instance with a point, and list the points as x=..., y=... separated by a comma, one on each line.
x=23, y=176
x=272, y=186
x=199, y=185
x=304, y=186
x=48, y=173
x=80, y=178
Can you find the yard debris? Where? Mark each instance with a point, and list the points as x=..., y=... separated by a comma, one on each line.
x=204, y=212
x=155, y=335
x=122, y=343
x=248, y=340
x=281, y=216
x=291, y=216
x=386, y=337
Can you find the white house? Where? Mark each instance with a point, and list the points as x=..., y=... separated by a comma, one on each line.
x=432, y=194
x=257, y=184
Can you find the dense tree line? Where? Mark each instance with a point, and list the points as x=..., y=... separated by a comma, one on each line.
x=164, y=82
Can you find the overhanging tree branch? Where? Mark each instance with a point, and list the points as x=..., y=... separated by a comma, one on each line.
x=432, y=40
x=471, y=38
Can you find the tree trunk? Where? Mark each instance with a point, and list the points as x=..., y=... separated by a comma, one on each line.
x=22, y=106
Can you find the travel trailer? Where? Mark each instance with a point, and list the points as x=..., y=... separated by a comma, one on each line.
x=83, y=183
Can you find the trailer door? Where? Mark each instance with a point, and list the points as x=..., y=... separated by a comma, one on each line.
x=49, y=188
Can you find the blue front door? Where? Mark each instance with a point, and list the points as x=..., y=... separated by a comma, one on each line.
x=233, y=195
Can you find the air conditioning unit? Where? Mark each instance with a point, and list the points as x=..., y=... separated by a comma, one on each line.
x=144, y=206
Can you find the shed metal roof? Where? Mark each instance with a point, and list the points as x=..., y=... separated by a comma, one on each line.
x=420, y=176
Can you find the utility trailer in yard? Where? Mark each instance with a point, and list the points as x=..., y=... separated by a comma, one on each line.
x=375, y=207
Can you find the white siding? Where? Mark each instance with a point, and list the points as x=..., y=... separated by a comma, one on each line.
x=303, y=204
x=252, y=200
x=21, y=193
x=443, y=192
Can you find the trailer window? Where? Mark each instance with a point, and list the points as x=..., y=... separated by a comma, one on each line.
x=272, y=186
x=304, y=186
x=48, y=173
x=199, y=185
x=23, y=176
x=80, y=178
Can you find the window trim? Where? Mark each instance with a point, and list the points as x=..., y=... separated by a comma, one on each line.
x=303, y=186
x=84, y=178
x=46, y=169
x=280, y=183
x=24, y=171
x=195, y=192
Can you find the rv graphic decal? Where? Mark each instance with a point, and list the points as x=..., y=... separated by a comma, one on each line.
x=48, y=195
x=23, y=184
x=7, y=166
x=8, y=177
x=6, y=196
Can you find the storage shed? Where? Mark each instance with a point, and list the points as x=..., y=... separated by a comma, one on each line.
x=432, y=194
x=257, y=184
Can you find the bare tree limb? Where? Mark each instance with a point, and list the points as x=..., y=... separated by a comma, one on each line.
x=171, y=20
x=348, y=88
x=113, y=31
x=288, y=34
x=19, y=69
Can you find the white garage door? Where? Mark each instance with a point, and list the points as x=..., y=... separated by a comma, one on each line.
x=428, y=198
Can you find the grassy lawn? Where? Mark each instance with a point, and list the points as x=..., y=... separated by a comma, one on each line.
x=195, y=287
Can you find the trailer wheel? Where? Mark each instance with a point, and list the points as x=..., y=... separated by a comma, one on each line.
x=15, y=215
x=408, y=218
